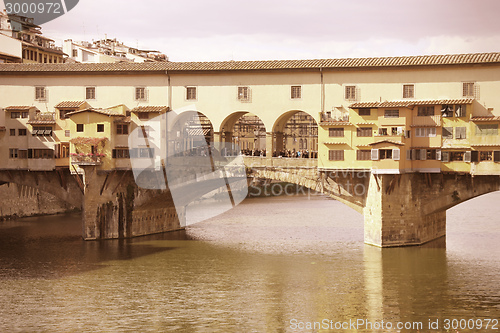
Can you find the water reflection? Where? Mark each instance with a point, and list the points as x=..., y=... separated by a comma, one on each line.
x=52, y=247
x=253, y=269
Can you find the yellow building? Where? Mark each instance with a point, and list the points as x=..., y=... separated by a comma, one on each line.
x=385, y=115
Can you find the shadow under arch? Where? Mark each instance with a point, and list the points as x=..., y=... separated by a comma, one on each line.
x=245, y=130
x=295, y=134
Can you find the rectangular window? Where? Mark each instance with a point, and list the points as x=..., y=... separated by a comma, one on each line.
x=460, y=110
x=190, y=93
x=425, y=132
x=15, y=115
x=445, y=156
x=460, y=132
x=140, y=94
x=12, y=132
x=485, y=156
x=67, y=133
x=408, y=91
x=335, y=155
x=62, y=113
x=382, y=131
x=424, y=111
x=487, y=129
x=121, y=153
x=40, y=94
x=447, y=111
x=385, y=154
x=74, y=53
x=121, y=128
x=23, y=153
x=22, y=132
x=13, y=152
x=79, y=127
x=146, y=152
x=336, y=132
x=100, y=127
x=363, y=155
x=364, y=131
x=243, y=94
x=40, y=153
x=391, y=114
x=41, y=131
x=364, y=112
x=447, y=133
x=296, y=92
x=468, y=89
x=24, y=114
x=350, y=93
x=90, y=93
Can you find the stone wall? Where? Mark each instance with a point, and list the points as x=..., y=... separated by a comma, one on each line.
x=20, y=200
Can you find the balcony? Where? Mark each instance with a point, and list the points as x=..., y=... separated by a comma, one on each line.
x=46, y=118
x=86, y=159
x=426, y=121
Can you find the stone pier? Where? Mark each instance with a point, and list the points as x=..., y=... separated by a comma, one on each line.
x=114, y=207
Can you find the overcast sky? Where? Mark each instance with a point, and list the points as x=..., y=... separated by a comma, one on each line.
x=207, y=30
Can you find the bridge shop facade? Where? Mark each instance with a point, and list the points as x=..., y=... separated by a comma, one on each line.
x=423, y=128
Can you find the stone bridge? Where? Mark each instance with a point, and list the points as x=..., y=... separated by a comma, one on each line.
x=398, y=209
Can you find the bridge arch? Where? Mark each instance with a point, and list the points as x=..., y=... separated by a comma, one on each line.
x=189, y=130
x=246, y=130
x=295, y=131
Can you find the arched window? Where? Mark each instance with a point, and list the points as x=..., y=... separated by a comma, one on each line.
x=305, y=143
x=300, y=144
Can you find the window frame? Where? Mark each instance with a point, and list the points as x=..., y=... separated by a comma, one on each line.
x=336, y=155
x=121, y=129
x=90, y=93
x=361, y=131
x=468, y=89
x=338, y=131
x=40, y=93
x=350, y=92
x=387, y=113
x=296, y=92
x=189, y=93
x=243, y=94
x=407, y=91
x=80, y=128
x=100, y=128
x=140, y=94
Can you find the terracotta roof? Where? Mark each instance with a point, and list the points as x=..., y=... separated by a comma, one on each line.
x=485, y=144
x=409, y=104
x=387, y=141
x=101, y=111
x=335, y=123
x=18, y=108
x=141, y=109
x=70, y=104
x=406, y=61
x=41, y=122
x=486, y=118
x=334, y=143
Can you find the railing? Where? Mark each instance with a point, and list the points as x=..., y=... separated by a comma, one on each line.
x=86, y=159
x=46, y=116
x=328, y=117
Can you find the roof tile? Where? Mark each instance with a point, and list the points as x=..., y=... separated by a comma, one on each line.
x=423, y=60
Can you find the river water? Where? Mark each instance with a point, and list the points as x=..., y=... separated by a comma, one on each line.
x=277, y=264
